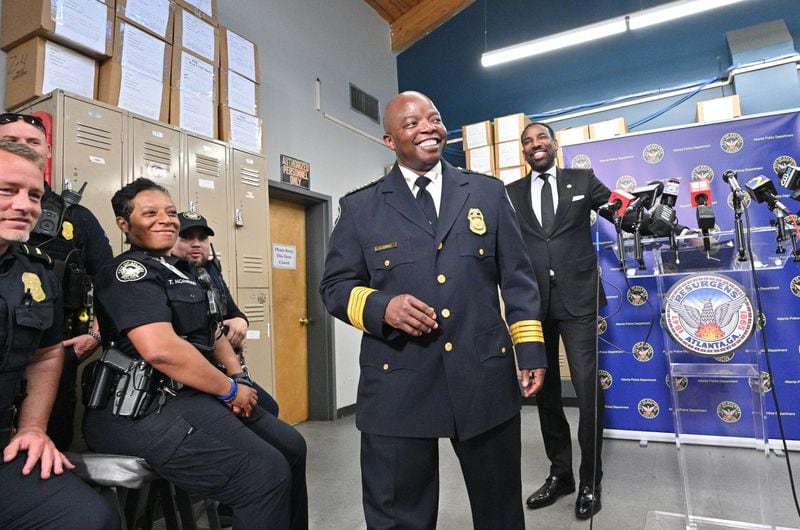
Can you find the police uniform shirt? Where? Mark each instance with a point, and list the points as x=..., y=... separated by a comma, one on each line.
x=138, y=288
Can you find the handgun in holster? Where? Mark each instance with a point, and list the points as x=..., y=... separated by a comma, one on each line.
x=133, y=389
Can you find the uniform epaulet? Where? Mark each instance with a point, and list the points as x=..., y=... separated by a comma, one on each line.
x=35, y=253
x=364, y=186
x=470, y=172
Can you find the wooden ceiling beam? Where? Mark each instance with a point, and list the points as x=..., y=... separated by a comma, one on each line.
x=423, y=18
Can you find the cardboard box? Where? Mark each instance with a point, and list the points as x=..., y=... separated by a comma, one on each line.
x=509, y=154
x=85, y=25
x=38, y=66
x=477, y=135
x=238, y=54
x=238, y=92
x=193, y=73
x=717, y=109
x=196, y=35
x=607, y=129
x=507, y=128
x=572, y=135
x=205, y=9
x=510, y=174
x=481, y=159
x=153, y=16
x=193, y=112
x=242, y=130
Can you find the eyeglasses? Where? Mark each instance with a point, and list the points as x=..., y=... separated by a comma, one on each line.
x=11, y=117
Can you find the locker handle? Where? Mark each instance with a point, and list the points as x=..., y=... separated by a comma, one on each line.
x=238, y=218
x=304, y=321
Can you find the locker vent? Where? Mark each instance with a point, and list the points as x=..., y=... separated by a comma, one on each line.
x=207, y=165
x=364, y=103
x=250, y=177
x=93, y=137
x=158, y=153
x=253, y=264
x=254, y=312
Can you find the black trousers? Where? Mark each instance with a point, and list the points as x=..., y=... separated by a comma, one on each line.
x=62, y=501
x=60, y=427
x=254, y=465
x=400, y=479
x=580, y=340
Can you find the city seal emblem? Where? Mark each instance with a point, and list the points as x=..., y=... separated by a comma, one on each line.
x=130, y=270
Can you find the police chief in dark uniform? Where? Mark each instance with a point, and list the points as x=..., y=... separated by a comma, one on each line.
x=197, y=427
x=415, y=262
x=37, y=490
x=73, y=238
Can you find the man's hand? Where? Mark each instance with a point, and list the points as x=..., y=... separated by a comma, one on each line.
x=39, y=448
x=532, y=381
x=411, y=315
x=83, y=345
x=246, y=398
x=237, y=331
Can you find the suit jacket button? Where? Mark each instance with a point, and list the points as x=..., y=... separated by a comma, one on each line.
x=440, y=246
x=446, y=313
x=385, y=367
x=448, y=346
x=441, y=278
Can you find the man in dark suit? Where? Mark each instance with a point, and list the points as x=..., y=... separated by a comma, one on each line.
x=415, y=262
x=554, y=214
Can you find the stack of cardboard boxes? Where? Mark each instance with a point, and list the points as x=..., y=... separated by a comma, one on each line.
x=477, y=141
x=168, y=60
x=510, y=161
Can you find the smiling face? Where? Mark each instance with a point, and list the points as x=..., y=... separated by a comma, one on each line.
x=21, y=190
x=22, y=132
x=539, y=147
x=414, y=131
x=153, y=221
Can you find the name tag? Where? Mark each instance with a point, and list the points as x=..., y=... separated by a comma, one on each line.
x=385, y=246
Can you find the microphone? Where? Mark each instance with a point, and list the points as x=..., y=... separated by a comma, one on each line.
x=790, y=179
x=618, y=200
x=663, y=216
x=701, y=199
x=762, y=189
x=646, y=195
x=733, y=181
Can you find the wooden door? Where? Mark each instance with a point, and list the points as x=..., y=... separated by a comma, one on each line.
x=287, y=223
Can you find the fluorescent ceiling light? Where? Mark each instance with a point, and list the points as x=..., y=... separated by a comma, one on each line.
x=672, y=11
x=599, y=30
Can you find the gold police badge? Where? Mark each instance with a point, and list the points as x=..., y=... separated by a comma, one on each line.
x=33, y=285
x=67, y=231
x=476, y=222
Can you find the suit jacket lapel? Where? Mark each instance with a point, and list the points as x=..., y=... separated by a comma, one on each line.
x=522, y=195
x=455, y=190
x=399, y=196
x=566, y=191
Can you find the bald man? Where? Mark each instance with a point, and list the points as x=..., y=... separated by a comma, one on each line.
x=415, y=262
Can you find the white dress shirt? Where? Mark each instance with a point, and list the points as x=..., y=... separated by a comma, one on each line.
x=536, y=190
x=434, y=188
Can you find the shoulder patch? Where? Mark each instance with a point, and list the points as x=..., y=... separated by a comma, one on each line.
x=36, y=253
x=364, y=186
x=130, y=270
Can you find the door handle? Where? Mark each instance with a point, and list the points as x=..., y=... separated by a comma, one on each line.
x=304, y=321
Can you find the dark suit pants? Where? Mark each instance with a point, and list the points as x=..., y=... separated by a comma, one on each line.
x=60, y=426
x=400, y=479
x=580, y=340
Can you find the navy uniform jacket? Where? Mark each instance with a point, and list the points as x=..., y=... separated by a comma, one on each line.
x=459, y=380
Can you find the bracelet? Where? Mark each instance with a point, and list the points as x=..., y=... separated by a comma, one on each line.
x=95, y=335
x=232, y=393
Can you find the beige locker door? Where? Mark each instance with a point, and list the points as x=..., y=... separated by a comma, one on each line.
x=255, y=303
x=155, y=154
x=251, y=219
x=207, y=186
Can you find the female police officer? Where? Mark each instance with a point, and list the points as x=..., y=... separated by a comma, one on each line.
x=195, y=426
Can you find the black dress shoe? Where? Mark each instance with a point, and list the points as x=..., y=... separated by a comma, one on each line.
x=588, y=502
x=554, y=487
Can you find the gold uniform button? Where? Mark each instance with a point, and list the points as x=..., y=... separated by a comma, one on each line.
x=446, y=313
x=441, y=246
x=386, y=367
x=481, y=251
x=441, y=278
x=503, y=349
x=386, y=263
x=448, y=346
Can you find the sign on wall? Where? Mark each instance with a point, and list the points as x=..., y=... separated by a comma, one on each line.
x=295, y=172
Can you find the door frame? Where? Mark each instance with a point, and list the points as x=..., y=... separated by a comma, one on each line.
x=321, y=360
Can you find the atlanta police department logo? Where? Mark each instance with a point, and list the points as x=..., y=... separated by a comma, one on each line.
x=781, y=162
x=130, y=271
x=731, y=143
x=582, y=162
x=642, y=352
x=626, y=183
x=709, y=314
x=653, y=153
x=602, y=325
x=702, y=172
x=194, y=216
x=648, y=408
x=606, y=380
x=765, y=383
x=729, y=412
x=745, y=200
x=637, y=295
x=794, y=286
x=678, y=383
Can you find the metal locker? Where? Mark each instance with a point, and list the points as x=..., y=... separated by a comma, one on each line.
x=255, y=303
x=250, y=219
x=87, y=147
x=154, y=151
x=207, y=194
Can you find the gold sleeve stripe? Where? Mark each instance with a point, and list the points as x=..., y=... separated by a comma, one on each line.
x=526, y=331
x=355, y=306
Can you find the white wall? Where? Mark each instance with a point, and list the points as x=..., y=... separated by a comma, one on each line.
x=339, y=42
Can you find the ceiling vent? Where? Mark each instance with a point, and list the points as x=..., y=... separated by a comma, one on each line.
x=364, y=103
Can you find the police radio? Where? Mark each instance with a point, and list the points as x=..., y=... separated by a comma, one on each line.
x=49, y=222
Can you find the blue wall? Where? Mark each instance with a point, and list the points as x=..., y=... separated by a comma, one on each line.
x=446, y=64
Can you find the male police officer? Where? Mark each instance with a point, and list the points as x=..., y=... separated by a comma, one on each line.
x=72, y=236
x=36, y=490
x=415, y=262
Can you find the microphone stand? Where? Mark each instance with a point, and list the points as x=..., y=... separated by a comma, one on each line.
x=638, y=248
x=781, y=229
x=738, y=209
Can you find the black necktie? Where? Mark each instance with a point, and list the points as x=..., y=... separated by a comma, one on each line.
x=547, y=210
x=425, y=200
